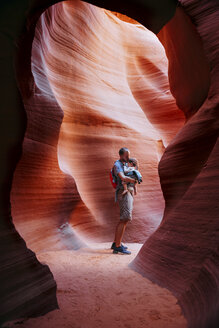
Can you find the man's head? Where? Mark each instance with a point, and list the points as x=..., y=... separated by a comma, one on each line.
x=124, y=154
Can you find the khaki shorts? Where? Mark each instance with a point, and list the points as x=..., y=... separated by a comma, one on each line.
x=125, y=203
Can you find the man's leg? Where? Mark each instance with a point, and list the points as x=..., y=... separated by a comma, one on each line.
x=120, y=229
x=126, y=206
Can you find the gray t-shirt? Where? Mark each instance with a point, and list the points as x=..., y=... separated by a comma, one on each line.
x=118, y=167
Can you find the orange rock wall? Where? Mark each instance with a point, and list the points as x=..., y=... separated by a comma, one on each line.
x=99, y=83
x=90, y=81
x=183, y=253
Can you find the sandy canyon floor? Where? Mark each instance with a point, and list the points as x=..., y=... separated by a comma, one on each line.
x=96, y=288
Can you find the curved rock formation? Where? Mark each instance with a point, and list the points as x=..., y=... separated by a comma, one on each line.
x=183, y=253
x=91, y=81
x=23, y=142
x=111, y=96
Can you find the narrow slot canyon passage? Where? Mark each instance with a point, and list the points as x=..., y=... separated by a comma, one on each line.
x=110, y=79
x=93, y=80
x=109, y=76
x=109, y=97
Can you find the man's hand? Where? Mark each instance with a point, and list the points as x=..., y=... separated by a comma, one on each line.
x=125, y=178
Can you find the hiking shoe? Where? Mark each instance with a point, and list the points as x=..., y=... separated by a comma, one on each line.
x=114, y=245
x=120, y=250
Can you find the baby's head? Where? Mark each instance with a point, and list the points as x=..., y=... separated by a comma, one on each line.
x=133, y=163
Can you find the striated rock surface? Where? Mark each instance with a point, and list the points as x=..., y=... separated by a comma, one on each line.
x=92, y=81
x=112, y=92
x=183, y=253
x=27, y=287
x=41, y=199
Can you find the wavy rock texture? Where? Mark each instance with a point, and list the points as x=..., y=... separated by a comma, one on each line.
x=37, y=193
x=27, y=287
x=96, y=81
x=183, y=253
x=95, y=90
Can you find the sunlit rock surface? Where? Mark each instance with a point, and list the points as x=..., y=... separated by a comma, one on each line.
x=92, y=81
x=100, y=83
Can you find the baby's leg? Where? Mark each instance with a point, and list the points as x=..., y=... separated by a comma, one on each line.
x=125, y=188
x=135, y=188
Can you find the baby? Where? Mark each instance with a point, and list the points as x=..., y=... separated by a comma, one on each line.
x=132, y=172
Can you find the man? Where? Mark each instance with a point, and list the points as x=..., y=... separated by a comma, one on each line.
x=125, y=201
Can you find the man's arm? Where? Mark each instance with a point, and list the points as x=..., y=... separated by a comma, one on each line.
x=125, y=178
